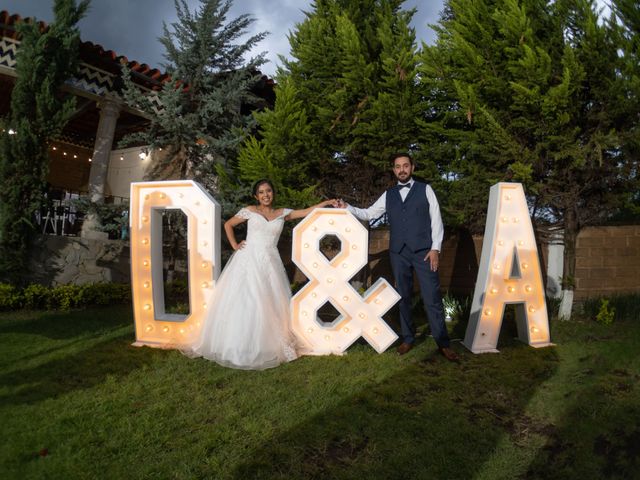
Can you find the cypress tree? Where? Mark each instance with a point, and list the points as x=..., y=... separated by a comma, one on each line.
x=38, y=112
x=353, y=69
x=526, y=91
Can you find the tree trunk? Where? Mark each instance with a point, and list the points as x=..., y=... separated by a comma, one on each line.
x=571, y=229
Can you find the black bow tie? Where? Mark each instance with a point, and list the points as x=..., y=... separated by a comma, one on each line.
x=404, y=185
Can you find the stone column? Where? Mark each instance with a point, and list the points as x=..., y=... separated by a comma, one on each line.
x=109, y=113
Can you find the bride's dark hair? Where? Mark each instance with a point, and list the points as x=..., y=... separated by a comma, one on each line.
x=262, y=181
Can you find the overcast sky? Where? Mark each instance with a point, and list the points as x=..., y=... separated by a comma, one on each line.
x=132, y=27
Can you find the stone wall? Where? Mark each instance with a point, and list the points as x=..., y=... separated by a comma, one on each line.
x=73, y=260
x=607, y=261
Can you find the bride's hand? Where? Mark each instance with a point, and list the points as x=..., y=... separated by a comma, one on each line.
x=240, y=245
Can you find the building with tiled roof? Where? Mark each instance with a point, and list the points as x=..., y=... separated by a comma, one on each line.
x=83, y=158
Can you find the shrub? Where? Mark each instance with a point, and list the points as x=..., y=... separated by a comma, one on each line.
x=35, y=297
x=605, y=314
x=10, y=298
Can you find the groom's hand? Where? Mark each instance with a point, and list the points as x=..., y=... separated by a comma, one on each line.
x=433, y=257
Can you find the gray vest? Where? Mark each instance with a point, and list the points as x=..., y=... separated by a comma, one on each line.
x=409, y=221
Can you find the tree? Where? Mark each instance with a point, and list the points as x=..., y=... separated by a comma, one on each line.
x=201, y=122
x=38, y=112
x=350, y=91
x=530, y=91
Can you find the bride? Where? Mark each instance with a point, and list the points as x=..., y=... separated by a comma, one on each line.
x=248, y=324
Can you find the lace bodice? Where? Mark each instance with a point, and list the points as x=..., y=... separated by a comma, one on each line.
x=260, y=231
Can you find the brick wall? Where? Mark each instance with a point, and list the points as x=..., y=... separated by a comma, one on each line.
x=607, y=261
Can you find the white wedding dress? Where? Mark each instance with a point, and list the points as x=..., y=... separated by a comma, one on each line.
x=248, y=324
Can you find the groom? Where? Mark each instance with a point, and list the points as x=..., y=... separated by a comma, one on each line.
x=416, y=233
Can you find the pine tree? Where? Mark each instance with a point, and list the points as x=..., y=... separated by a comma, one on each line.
x=525, y=91
x=353, y=69
x=38, y=112
x=201, y=123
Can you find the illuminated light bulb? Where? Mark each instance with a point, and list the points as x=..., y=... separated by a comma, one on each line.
x=314, y=295
x=198, y=324
x=487, y=312
x=496, y=266
x=304, y=314
x=528, y=288
x=534, y=329
x=306, y=245
x=205, y=284
x=121, y=157
x=511, y=289
x=55, y=148
x=145, y=263
x=345, y=329
x=500, y=242
x=507, y=197
x=315, y=265
x=347, y=229
x=331, y=222
x=345, y=298
x=205, y=264
x=145, y=241
x=505, y=219
x=532, y=309
x=165, y=329
x=182, y=331
x=146, y=284
x=75, y=156
x=375, y=330
x=354, y=247
x=516, y=219
x=525, y=265
x=329, y=280
x=146, y=197
x=89, y=160
x=204, y=305
x=65, y=154
x=327, y=338
x=313, y=229
x=147, y=306
x=149, y=328
x=310, y=330
x=377, y=301
x=494, y=290
x=145, y=219
x=362, y=315
x=520, y=242
x=163, y=196
x=344, y=265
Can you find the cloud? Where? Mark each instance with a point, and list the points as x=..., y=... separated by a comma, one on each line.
x=132, y=28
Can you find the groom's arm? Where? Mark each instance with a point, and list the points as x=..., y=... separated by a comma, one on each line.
x=374, y=211
x=437, y=228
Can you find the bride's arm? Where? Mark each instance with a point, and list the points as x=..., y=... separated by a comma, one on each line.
x=228, y=229
x=303, y=213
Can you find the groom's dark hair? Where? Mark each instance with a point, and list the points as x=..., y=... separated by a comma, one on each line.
x=256, y=186
x=401, y=154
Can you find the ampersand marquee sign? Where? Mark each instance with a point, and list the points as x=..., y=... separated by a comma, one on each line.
x=509, y=273
x=329, y=282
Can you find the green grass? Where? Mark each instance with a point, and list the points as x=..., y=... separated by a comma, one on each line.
x=78, y=401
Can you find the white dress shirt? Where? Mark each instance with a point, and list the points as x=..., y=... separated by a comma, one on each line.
x=380, y=207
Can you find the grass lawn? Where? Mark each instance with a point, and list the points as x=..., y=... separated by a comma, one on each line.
x=78, y=401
